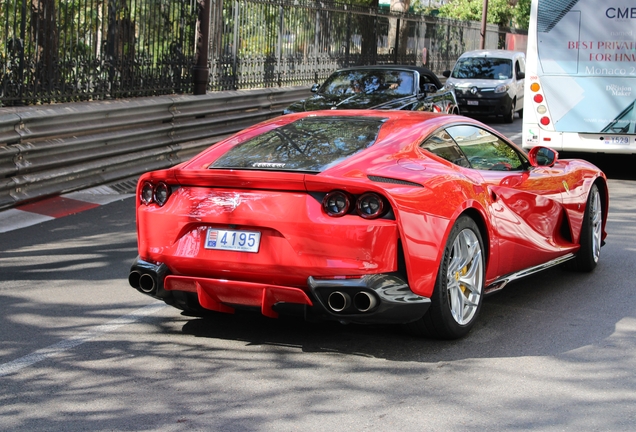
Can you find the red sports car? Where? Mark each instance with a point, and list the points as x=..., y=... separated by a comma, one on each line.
x=364, y=216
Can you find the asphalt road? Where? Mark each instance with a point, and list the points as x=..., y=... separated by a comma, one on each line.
x=81, y=350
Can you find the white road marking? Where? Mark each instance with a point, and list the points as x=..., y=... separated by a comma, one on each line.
x=66, y=344
x=13, y=219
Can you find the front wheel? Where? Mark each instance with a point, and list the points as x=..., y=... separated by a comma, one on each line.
x=509, y=117
x=458, y=293
x=591, y=234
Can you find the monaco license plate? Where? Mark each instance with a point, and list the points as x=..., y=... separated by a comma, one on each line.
x=472, y=102
x=616, y=139
x=233, y=240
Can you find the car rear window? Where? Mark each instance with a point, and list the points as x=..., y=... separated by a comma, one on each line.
x=483, y=68
x=311, y=144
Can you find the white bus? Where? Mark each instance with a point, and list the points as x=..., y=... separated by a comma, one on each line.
x=581, y=76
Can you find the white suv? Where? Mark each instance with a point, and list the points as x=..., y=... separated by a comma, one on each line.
x=489, y=83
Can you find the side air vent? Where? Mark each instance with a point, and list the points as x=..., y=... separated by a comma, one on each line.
x=392, y=180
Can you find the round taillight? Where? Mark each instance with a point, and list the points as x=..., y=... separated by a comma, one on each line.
x=538, y=98
x=545, y=121
x=336, y=203
x=370, y=205
x=147, y=191
x=162, y=193
x=535, y=87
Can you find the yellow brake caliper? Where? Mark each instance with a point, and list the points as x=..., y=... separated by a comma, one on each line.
x=459, y=274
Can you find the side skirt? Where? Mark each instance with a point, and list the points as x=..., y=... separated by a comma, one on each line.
x=503, y=281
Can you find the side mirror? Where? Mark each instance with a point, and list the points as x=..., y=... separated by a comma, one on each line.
x=428, y=88
x=446, y=73
x=315, y=87
x=521, y=75
x=542, y=156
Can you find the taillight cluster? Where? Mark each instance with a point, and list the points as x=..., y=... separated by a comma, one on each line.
x=542, y=110
x=155, y=193
x=369, y=205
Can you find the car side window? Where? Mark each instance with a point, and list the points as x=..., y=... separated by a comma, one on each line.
x=486, y=151
x=442, y=144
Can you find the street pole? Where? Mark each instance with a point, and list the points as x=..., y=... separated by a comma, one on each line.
x=484, y=16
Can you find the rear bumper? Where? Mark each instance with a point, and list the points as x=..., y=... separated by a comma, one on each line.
x=377, y=298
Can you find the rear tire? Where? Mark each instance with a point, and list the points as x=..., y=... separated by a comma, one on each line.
x=459, y=287
x=591, y=234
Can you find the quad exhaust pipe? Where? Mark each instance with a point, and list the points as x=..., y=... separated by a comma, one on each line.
x=144, y=282
x=148, y=278
x=338, y=301
x=147, y=283
x=362, y=301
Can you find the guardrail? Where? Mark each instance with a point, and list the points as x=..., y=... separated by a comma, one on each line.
x=49, y=150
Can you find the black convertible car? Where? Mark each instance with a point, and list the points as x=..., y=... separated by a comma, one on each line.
x=380, y=87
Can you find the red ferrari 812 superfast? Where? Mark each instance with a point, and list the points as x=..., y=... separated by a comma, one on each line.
x=364, y=216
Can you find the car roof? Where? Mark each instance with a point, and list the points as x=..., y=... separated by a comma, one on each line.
x=493, y=53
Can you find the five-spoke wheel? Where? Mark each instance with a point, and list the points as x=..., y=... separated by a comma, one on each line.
x=459, y=287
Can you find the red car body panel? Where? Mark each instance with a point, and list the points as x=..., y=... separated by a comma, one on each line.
x=528, y=217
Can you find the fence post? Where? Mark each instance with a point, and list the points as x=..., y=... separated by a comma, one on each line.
x=235, y=43
x=348, y=43
x=201, y=71
x=279, y=48
x=397, y=42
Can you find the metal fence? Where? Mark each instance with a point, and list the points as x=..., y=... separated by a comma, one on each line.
x=74, y=50
x=262, y=43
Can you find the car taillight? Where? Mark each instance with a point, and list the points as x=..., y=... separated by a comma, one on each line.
x=370, y=205
x=147, y=191
x=162, y=193
x=336, y=203
x=158, y=193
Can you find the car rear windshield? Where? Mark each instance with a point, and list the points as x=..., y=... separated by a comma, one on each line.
x=311, y=144
x=483, y=68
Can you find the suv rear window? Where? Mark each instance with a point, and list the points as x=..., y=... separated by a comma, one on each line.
x=311, y=144
x=483, y=68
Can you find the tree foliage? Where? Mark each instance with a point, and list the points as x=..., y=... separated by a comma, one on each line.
x=509, y=13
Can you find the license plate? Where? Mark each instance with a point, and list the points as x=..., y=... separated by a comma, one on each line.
x=233, y=240
x=616, y=139
x=472, y=102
